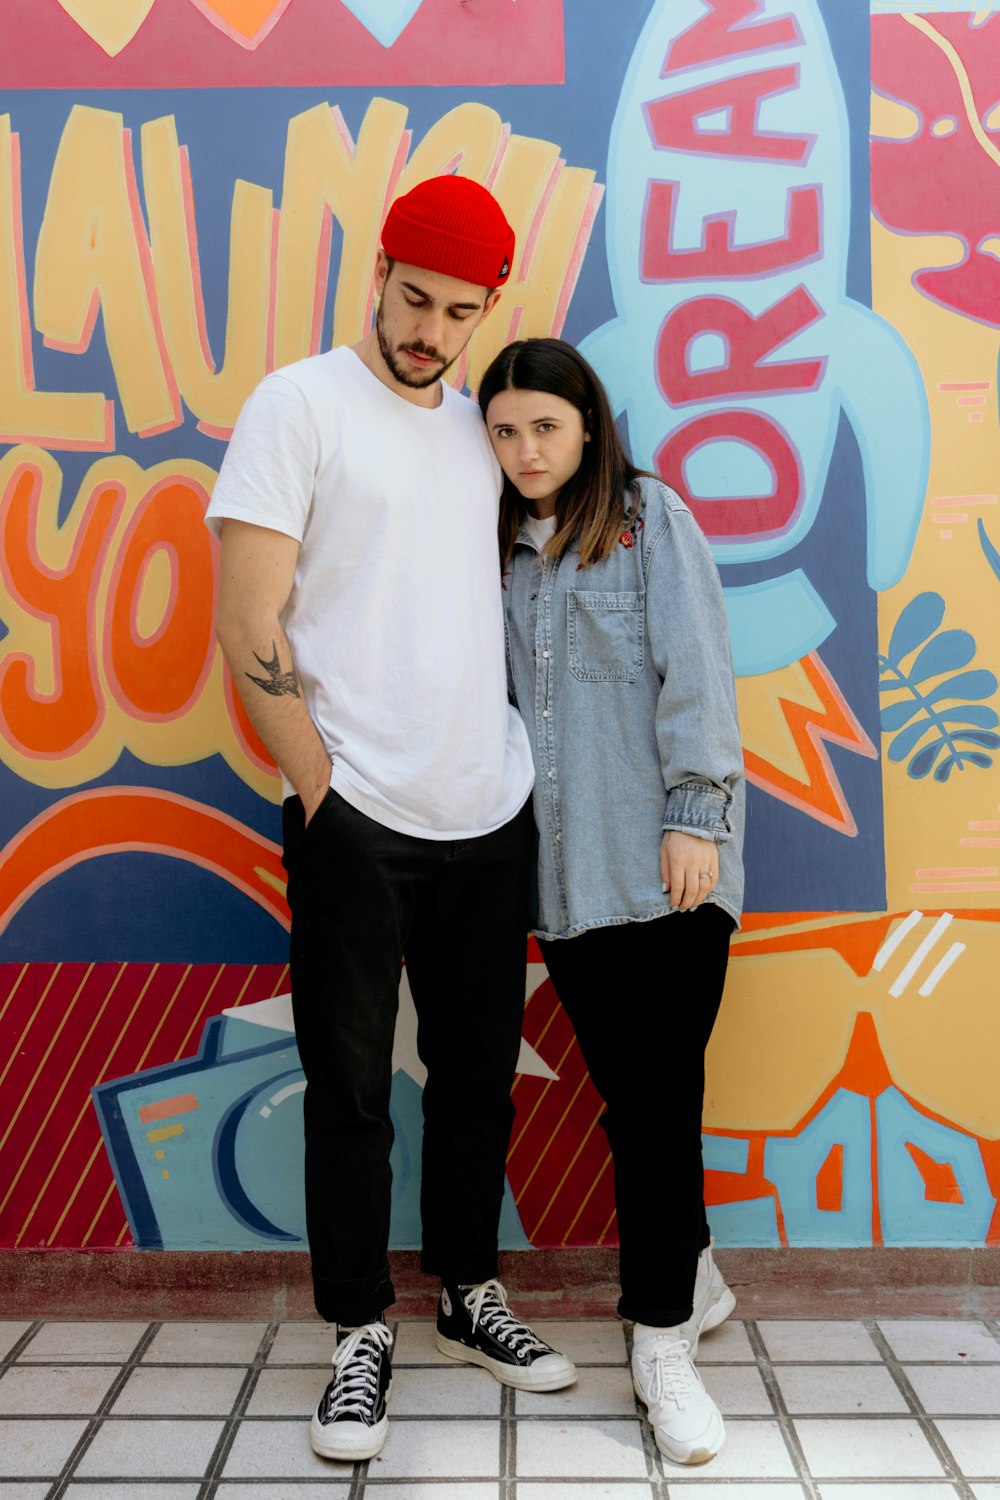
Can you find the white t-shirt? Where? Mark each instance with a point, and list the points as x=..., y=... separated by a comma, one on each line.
x=539, y=531
x=395, y=618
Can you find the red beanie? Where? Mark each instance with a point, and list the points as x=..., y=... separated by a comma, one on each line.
x=452, y=225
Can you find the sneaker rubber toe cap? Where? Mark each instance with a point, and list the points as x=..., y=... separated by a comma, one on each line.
x=549, y=1372
x=350, y=1442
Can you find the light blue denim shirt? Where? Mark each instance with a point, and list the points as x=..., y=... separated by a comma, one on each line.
x=623, y=676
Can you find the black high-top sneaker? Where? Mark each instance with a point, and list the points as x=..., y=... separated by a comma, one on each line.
x=350, y=1422
x=475, y=1325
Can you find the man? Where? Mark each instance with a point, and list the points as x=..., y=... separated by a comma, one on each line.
x=359, y=611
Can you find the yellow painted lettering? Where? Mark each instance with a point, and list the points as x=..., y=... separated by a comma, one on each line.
x=549, y=206
x=467, y=139
x=93, y=256
x=57, y=419
x=327, y=176
x=215, y=396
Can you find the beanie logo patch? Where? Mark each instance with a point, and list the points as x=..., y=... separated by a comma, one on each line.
x=505, y=268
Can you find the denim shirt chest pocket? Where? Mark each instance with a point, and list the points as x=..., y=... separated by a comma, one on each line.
x=606, y=634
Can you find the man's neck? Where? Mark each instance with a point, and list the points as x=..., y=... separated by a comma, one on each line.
x=370, y=354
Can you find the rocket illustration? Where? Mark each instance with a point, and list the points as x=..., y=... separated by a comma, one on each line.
x=736, y=349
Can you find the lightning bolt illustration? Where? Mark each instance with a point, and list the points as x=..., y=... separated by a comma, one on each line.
x=789, y=718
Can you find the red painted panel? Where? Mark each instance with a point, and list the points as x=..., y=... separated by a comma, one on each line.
x=68, y=1027
x=551, y=1124
x=942, y=181
x=312, y=42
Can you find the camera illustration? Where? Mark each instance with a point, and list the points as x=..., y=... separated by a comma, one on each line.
x=207, y=1153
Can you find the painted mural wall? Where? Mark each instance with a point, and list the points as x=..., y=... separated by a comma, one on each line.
x=773, y=226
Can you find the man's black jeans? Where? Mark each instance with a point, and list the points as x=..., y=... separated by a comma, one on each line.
x=363, y=899
x=643, y=998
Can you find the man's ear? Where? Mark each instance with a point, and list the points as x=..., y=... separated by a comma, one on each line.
x=381, y=270
x=490, y=303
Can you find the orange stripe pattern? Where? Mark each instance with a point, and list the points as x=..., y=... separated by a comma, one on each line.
x=88, y=1023
x=558, y=1166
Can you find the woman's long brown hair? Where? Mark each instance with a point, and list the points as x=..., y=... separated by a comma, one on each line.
x=592, y=506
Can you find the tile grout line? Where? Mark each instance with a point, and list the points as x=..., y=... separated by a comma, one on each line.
x=785, y=1422
x=867, y=1364
x=507, y=1488
x=953, y=1471
x=19, y=1345
x=216, y=1463
x=14, y=1352
x=96, y=1421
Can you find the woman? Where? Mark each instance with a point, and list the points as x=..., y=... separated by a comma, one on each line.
x=620, y=665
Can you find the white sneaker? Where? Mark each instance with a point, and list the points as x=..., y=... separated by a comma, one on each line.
x=686, y=1422
x=713, y=1301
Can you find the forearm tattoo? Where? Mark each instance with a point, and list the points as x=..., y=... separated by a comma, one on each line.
x=277, y=683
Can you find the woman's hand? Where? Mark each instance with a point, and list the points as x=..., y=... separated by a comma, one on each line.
x=689, y=869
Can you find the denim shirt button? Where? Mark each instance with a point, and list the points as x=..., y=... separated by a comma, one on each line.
x=551, y=775
x=545, y=713
x=545, y=656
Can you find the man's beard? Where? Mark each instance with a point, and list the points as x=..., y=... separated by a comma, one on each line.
x=415, y=380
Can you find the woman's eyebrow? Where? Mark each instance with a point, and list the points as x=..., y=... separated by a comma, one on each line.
x=533, y=423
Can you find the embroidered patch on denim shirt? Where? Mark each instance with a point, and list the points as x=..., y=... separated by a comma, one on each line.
x=633, y=525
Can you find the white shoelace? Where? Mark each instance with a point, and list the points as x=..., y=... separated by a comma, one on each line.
x=671, y=1374
x=355, y=1366
x=488, y=1306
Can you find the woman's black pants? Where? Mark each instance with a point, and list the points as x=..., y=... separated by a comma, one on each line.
x=643, y=998
x=363, y=898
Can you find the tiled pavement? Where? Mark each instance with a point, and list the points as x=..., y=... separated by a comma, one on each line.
x=888, y=1409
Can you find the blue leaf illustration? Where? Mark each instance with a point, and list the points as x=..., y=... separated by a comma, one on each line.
x=976, y=684
x=919, y=619
x=943, y=653
x=908, y=739
x=910, y=718
x=978, y=737
x=895, y=715
x=921, y=763
x=971, y=713
x=990, y=552
x=971, y=757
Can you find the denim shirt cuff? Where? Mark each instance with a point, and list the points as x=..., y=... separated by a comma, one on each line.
x=701, y=809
